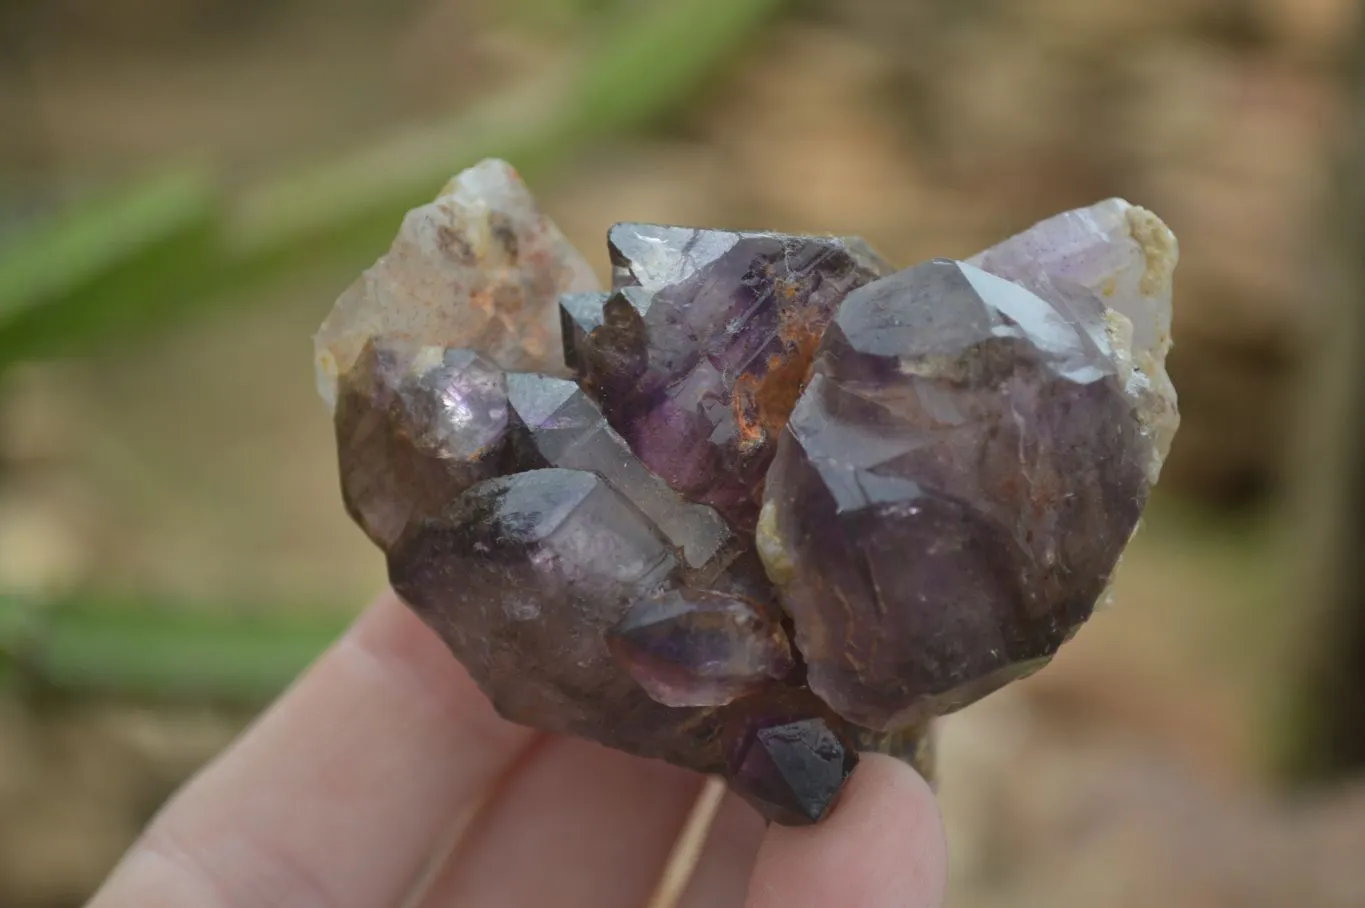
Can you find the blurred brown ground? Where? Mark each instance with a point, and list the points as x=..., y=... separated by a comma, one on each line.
x=198, y=465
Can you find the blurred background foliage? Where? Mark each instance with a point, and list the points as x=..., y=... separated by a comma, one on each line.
x=185, y=185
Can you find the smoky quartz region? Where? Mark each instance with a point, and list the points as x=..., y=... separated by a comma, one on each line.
x=765, y=501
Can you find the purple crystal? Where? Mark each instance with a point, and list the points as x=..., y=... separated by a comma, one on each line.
x=416, y=426
x=558, y=425
x=695, y=648
x=949, y=459
x=700, y=353
x=525, y=576
x=951, y=493
x=522, y=577
x=792, y=772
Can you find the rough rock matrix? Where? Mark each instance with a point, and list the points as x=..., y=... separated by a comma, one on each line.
x=793, y=505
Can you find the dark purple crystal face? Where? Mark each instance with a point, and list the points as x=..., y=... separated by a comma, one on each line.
x=700, y=354
x=528, y=577
x=697, y=648
x=792, y=771
x=960, y=476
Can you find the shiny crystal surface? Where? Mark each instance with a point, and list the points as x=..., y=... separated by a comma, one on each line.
x=952, y=492
x=699, y=355
x=1126, y=257
x=415, y=427
x=793, y=771
x=522, y=577
x=697, y=648
x=793, y=507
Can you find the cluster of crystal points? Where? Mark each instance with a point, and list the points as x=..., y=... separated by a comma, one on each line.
x=795, y=503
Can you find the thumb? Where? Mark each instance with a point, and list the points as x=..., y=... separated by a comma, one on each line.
x=882, y=846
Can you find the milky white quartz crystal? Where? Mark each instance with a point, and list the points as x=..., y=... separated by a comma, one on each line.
x=480, y=267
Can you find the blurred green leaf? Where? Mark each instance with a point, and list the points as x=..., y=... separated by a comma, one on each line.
x=172, y=246
x=164, y=651
x=652, y=63
x=649, y=63
x=113, y=260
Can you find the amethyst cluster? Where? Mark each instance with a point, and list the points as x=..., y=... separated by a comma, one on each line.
x=779, y=503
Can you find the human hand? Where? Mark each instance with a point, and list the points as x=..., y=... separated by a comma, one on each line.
x=383, y=779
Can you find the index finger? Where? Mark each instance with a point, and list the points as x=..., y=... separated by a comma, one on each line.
x=340, y=793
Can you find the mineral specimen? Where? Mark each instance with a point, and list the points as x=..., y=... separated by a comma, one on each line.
x=795, y=505
x=564, y=428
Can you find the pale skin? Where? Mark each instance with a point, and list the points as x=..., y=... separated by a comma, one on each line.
x=384, y=779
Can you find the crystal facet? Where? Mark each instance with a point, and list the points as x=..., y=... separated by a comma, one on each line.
x=952, y=492
x=522, y=577
x=700, y=353
x=792, y=772
x=564, y=428
x=949, y=461
x=696, y=648
x=416, y=426
x=1126, y=256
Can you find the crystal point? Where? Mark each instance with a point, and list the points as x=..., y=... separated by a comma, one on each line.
x=522, y=577
x=701, y=353
x=479, y=267
x=1125, y=256
x=415, y=427
x=580, y=314
x=793, y=771
x=697, y=648
x=564, y=428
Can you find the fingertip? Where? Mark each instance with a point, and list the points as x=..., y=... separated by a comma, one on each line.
x=882, y=845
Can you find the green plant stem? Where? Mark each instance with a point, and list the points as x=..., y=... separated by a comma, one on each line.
x=132, y=252
x=161, y=651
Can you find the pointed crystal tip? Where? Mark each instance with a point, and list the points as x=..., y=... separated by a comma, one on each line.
x=793, y=772
x=693, y=648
